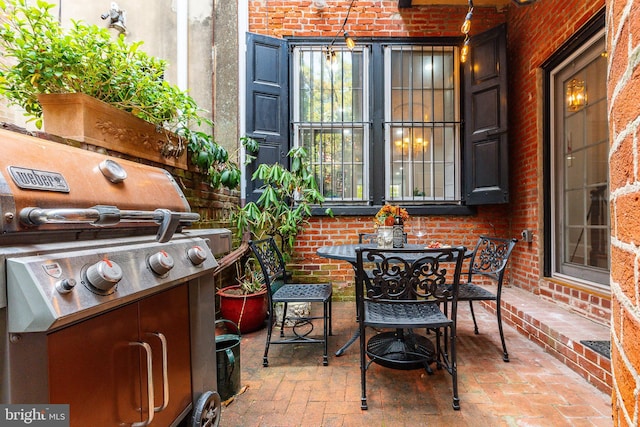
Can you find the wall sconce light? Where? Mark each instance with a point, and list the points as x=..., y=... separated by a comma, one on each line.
x=576, y=95
x=523, y=2
x=319, y=4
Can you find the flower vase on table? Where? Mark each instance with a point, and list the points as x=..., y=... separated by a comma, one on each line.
x=388, y=218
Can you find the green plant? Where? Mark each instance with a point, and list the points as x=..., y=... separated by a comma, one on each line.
x=42, y=57
x=212, y=159
x=284, y=207
x=252, y=280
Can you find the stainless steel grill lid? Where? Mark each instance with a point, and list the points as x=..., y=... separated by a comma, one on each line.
x=48, y=186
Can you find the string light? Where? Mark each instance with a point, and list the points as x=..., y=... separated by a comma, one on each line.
x=464, y=52
x=466, y=25
x=465, y=28
x=351, y=43
x=330, y=54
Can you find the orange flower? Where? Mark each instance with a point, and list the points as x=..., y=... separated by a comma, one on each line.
x=386, y=214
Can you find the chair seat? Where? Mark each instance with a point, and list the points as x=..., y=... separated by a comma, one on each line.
x=317, y=292
x=404, y=314
x=469, y=291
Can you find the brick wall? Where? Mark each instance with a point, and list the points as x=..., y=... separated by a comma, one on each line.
x=534, y=33
x=308, y=267
x=623, y=34
x=298, y=18
x=291, y=18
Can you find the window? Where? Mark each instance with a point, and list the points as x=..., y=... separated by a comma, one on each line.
x=579, y=155
x=422, y=123
x=383, y=122
x=420, y=159
x=331, y=119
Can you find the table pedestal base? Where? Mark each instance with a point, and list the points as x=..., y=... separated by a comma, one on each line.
x=401, y=350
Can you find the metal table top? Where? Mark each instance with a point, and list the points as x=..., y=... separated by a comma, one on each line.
x=347, y=252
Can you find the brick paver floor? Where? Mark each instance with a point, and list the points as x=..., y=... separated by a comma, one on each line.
x=533, y=389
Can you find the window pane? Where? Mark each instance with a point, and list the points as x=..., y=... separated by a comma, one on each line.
x=597, y=127
x=330, y=120
x=581, y=174
x=597, y=165
x=422, y=133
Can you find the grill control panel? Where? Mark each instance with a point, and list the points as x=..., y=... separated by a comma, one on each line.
x=52, y=290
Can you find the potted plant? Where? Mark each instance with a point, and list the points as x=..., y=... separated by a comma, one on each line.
x=245, y=303
x=284, y=207
x=43, y=60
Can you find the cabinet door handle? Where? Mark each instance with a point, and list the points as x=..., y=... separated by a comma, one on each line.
x=165, y=375
x=147, y=349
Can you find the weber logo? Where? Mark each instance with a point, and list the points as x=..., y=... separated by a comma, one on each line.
x=38, y=180
x=34, y=415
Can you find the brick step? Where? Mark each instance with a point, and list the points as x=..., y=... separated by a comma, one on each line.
x=559, y=332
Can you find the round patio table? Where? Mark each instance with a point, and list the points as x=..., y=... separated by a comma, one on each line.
x=347, y=252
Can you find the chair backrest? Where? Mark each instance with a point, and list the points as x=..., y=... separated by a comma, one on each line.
x=427, y=275
x=271, y=262
x=367, y=237
x=490, y=257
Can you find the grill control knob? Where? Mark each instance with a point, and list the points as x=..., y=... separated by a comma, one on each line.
x=65, y=286
x=104, y=275
x=196, y=255
x=160, y=263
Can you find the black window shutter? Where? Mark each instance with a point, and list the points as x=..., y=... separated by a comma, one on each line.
x=486, y=142
x=267, y=104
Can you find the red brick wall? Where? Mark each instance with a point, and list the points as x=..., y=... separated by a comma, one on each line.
x=372, y=19
x=534, y=33
x=339, y=230
x=623, y=33
x=298, y=18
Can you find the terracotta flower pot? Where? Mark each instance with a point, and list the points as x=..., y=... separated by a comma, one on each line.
x=83, y=118
x=247, y=311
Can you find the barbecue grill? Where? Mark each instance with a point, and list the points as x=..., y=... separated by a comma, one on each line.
x=107, y=302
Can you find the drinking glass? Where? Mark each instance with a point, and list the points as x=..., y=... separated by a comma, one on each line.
x=419, y=227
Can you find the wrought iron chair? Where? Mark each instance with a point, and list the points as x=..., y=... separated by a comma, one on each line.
x=489, y=260
x=279, y=291
x=406, y=289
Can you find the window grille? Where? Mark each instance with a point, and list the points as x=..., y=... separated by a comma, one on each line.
x=331, y=119
x=422, y=123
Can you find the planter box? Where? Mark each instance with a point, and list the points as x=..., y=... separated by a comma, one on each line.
x=83, y=118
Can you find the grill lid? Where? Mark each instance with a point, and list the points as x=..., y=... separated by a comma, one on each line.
x=50, y=186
